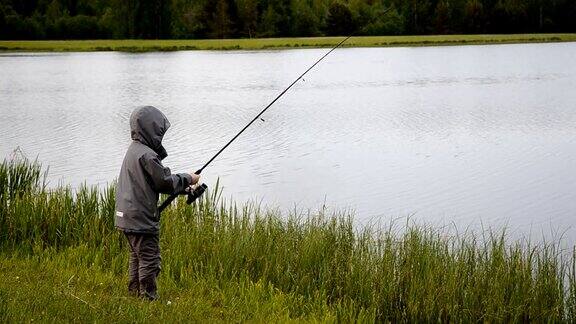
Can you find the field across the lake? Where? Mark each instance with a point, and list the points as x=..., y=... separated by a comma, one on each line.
x=271, y=43
x=61, y=259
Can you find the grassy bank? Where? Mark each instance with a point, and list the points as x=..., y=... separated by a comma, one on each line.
x=61, y=259
x=269, y=43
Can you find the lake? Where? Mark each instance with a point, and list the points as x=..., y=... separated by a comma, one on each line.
x=462, y=135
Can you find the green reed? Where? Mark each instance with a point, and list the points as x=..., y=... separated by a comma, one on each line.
x=318, y=262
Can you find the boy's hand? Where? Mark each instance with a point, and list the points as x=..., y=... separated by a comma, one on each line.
x=195, y=178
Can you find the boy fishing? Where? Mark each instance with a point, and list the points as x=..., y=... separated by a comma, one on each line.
x=142, y=178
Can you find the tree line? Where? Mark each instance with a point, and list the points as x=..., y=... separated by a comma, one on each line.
x=159, y=19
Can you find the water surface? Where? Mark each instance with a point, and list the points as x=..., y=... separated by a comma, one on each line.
x=463, y=135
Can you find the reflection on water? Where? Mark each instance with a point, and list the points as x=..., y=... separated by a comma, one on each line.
x=446, y=134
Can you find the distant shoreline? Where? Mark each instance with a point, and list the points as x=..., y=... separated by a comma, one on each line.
x=274, y=43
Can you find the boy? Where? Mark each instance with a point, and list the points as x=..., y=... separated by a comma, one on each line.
x=142, y=178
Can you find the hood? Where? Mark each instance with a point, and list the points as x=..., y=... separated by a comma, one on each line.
x=148, y=126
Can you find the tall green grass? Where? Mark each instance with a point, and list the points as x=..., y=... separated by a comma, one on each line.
x=316, y=265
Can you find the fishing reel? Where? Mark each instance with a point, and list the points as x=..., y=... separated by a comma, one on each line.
x=192, y=193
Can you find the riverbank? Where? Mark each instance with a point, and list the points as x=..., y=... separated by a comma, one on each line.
x=274, y=43
x=62, y=260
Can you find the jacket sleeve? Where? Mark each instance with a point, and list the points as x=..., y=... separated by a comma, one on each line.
x=162, y=180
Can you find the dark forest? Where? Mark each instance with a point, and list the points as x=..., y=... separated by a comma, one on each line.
x=184, y=19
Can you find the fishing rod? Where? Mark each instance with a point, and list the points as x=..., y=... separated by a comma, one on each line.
x=194, y=193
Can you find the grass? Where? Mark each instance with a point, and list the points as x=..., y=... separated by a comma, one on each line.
x=62, y=260
x=271, y=43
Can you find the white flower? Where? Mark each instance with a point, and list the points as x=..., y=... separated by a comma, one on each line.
x=168, y=303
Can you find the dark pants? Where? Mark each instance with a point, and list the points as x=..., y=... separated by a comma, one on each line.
x=144, y=264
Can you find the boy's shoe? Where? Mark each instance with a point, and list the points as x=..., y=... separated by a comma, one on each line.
x=134, y=288
x=150, y=296
x=134, y=292
x=148, y=289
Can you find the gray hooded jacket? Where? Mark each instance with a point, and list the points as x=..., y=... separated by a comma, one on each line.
x=143, y=176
